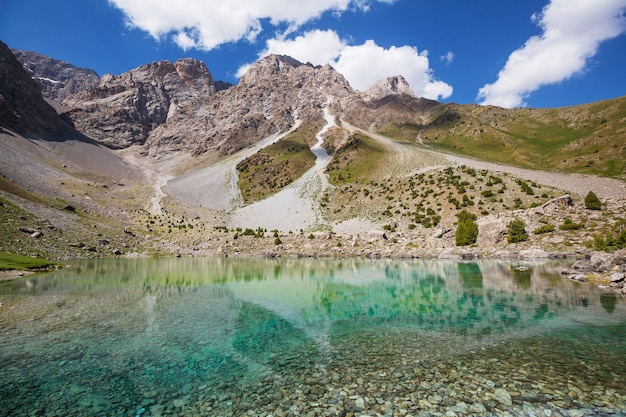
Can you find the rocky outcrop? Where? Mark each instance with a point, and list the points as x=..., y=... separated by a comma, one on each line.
x=124, y=110
x=167, y=107
x=554, y=205
x=606, y=269
x=22, y=106
x=58, y=79
x=170, y=107
x=389, y=86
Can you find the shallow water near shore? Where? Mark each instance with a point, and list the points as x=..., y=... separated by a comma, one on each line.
x=222, y=337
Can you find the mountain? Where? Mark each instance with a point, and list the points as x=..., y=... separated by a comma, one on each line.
x=22, y=107
x=163, y=159
x=587, y=138
x=389, y=86
x=58, y=79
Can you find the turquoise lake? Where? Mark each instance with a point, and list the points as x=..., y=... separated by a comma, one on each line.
x=256, y=337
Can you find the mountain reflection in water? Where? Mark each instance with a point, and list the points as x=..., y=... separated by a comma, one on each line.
x=198, y=331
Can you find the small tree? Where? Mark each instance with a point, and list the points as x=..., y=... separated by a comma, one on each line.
x=592, y=202
x=517, y=231
x=466, y=229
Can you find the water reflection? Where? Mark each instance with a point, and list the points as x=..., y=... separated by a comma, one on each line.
x=153, y=334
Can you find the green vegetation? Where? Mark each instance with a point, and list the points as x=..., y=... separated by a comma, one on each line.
x=592, y=202
x=466, y=229
x=568, y=224
x=516, y=231
x=546, y=228
x=585, y=138
x=10, y=187
x=277, y=165
x=613, y=241
x=356, y=161
x=10, y=261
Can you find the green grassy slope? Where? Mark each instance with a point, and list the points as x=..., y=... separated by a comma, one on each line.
x=588, y=138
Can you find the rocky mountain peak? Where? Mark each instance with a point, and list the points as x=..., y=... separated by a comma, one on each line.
x=396, y=85
x=58, y=79
x=184, y=74
x=270, y=67
x=140, y=100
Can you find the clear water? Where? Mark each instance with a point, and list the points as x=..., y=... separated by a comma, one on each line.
x=222, y=337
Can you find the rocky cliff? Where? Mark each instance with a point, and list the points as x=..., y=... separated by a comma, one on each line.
x=124, y=110
x=22, y=106
x=389, y=86
x=169, y=107
x=58, y=79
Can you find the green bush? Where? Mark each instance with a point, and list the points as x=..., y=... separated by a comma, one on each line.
x=568, y=224
x=612, y=242
x=466, y=229
x=517, y=231
x=546, y=228
x=592, y=202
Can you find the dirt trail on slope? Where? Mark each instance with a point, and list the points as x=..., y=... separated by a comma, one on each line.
x=296, y=206
x=574, y=183
x=413, y=158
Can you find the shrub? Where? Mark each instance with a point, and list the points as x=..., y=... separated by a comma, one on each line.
x=611, y=242
x=568, y=224
x=466, y=229
x=592, y=202
x=546, y=228
x=517, y=231
x=277, y=241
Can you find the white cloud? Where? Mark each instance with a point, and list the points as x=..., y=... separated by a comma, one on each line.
x=317, y=46
x=206, y=24
x=362, y=65
x=572, y=33
x=448, y=58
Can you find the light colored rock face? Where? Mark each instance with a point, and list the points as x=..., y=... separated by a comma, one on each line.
x=391, y=85
x=173, y=107
x=58, y=79
x=170, y=107
x=124, y=110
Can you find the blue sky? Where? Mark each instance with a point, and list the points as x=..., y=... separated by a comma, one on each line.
x=534, y=53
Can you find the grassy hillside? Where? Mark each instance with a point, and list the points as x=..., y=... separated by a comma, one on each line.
x=357, y=160
x=586, y=139
x=277, y=165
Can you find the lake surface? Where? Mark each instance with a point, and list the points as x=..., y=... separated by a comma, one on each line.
x=222, y=337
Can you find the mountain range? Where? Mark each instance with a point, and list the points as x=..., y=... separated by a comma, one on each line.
x=139, y=154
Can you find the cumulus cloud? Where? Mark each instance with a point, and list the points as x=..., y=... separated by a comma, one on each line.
x=206, y=24
x=572, y=33
x=362, y=65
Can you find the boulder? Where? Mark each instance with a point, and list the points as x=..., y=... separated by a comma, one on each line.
x=601, y=261
x=554, y=205
x=376, y=235
x=620, y=257
x=534, y=253
x=491, y=230
x=441, y=232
